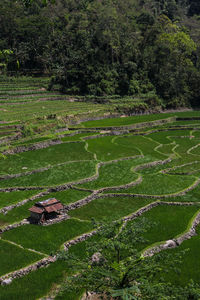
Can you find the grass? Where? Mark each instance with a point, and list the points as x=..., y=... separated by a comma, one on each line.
x=125, y=121
x=196, y=151
x=78, y=136
x=184, y=144
x=69, y=295
x=188, y=114
x=14, y=258
x=54, y=176
x=36, y=284
x=166, y=149
x=190, y=265
x=43, y=157
x=196, y=133
x=22, y=100
x=115, y=174
x=109, y=208
x=32, y=109
x=143, y=144
x=33, y=141
x=191, y=196
x=161, y=184
x=49, y=238
x=164, y=137
x=105, y=149
x=10, y=198
x=190, y=167
x=19, y=213
x=168, y=222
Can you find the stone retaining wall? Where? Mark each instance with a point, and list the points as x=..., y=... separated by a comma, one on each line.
x=11, y=138
x=15, y=189
x=8, y=278
x=152, y=164
x=96, y=192
x=188, y=119
x=181, y=193
x=79, y=239
x=13, y=226
x=5, y=209
x=176, y=241
x=178, y=167
x=37, y=146
x=59, y=219
x=133, y=126
x=9, y=176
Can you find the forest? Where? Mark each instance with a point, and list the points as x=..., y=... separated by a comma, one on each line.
x=138, y=48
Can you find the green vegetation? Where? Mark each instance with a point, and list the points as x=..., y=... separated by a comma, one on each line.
x=30, y=160
x=106, y=149
x=169, y=221
x=49, y=238
x=165, y=137
x=13, y=257
x=36, y=284
x=10, y=198
x=142, y=144
x=190, y=168
x=109, y=208
x=17, y=214
x=114, y=174
x=120, y=267
x=189, y=268
x=78, y=137
x=161, y=184
x=21, y=212
x=57, y=175
x=166, y=149
x=112, y=122
x=77, y=158
x=145, y=52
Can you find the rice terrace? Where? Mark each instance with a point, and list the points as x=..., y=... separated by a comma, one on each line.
x=100, y=166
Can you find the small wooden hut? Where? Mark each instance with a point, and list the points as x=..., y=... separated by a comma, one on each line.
x=45, y=210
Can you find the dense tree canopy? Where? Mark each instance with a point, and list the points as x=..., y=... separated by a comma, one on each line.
x=108, y=47
x=111, y=266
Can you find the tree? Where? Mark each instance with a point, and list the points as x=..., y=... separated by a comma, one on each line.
x=170, y=62
x=29, y=2
x=4, y=58
x=113, y=267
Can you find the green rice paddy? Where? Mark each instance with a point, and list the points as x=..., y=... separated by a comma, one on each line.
x=109, y=208
x=69, y=172
x=168, y=222
x=49, y=238
x=25, y=102
x=31, y=160
x=13, y=257
x=10, y=198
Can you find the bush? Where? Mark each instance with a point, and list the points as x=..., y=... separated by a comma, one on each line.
x=133, y=108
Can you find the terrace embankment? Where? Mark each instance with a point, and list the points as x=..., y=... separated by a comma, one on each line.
x=36, y=146
x=132, y=126
x=176, y=241
x=8, y=278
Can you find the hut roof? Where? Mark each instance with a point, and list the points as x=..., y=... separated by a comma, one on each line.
x=47, y=202
x=49, y=205
x=36, y=209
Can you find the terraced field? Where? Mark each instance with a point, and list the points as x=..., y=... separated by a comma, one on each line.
x=108, y=169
